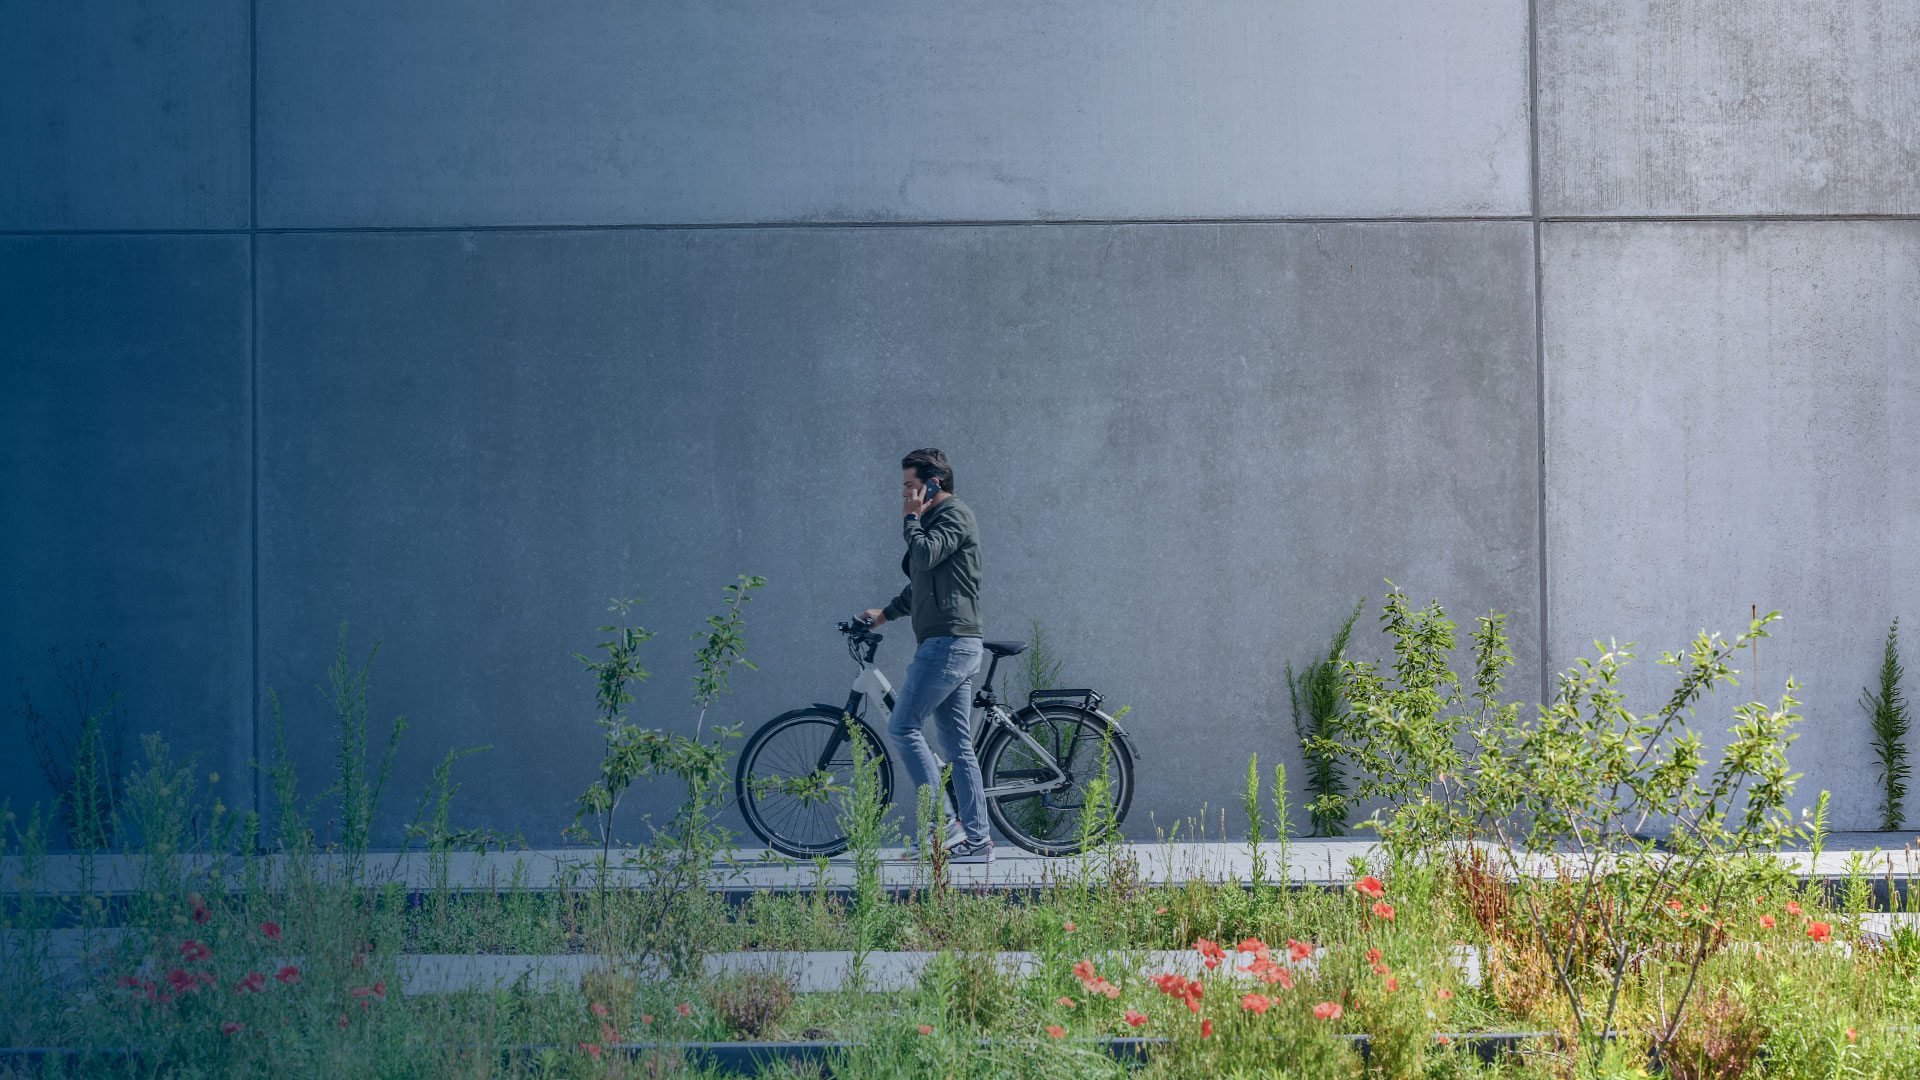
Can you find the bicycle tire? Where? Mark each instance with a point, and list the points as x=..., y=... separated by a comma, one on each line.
x=777, y=751
x=1050, y=823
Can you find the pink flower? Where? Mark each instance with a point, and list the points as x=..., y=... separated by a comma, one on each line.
x=1056, y=1031
x=1383, y=910
x=1370, y=887
x=193, y=952
x=271, y=930
x=1064, y=1000
x=252, y=983
x=288, y=974
x=1327, y=1010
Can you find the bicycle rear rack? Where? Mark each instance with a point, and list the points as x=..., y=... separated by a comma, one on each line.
x=1089, y=699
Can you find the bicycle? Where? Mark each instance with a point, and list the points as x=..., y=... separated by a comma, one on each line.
x=795, y=773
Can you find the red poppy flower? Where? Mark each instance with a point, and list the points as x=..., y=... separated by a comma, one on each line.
x=1852, y=1034
x=1280, y=975
x=1383, y=910
x=1373, y=956
x=1327, y=1010
x=271, y=930
x=1255, y=1003
x=646, y=1018
x=926, y=1029
x=1206, y=1029
x=1370, y=887
x=683, y=1009
x=1135, y=1018
x=1056, y=1031
x=599, y=1009
x=202, y=916
x=1767, y=921
x=232, y=1027
x=1064, y=1000
x=183, y=982
x=1298, y=950
x=193, y=952
x=341, y=1022
x=1393, y=984
x=1255, y=946
x=592, y=1049
x=1793, y=908
x=609, y=1035
x=288, y=974
x=1067, y=926
x=1446, y=995
x=252, y=983
x=1820, y=931
x=1212, y=952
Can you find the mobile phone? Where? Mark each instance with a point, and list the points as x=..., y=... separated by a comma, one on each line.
x=932, y=488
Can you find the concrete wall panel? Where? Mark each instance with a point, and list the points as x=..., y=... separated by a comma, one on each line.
x=1723, y=107
x=1730, y=423
x=1191, y=447
x=124, y=457
x=119, y=115
x=491, y=113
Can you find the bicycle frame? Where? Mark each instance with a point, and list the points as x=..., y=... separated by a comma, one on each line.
x=871, y=684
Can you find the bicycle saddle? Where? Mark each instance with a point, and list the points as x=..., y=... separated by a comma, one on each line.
x=1005, y=648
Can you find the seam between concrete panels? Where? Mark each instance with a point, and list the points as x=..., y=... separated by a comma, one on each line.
x=1539, y=333
x=1650, y=219
x=253, y=387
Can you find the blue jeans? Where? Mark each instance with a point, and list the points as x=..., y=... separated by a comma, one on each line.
x=938, y=694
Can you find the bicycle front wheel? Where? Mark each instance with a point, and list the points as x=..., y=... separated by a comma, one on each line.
x=795, y=779
x=1065, y=820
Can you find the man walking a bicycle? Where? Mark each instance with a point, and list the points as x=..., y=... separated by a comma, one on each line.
x=942, y=564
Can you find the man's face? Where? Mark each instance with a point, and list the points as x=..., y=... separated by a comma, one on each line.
x=911, y=482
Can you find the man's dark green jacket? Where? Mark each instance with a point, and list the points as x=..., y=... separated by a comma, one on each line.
x=942, y=565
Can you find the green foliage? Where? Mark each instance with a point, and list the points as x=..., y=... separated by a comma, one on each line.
x=78, y=747
x=864, y=820
x=357, y=782
x=1039, y=668
x=673, y=858
x=1887, y=711
x=1319, y=708
x=1404, y=730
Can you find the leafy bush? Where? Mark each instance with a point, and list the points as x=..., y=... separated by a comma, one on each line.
x=1319, y=708
x=1887, y=711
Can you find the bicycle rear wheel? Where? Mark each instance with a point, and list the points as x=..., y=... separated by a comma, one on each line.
x=1057, y=822
x=783, y=776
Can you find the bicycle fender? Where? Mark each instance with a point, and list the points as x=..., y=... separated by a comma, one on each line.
x=1132, y=747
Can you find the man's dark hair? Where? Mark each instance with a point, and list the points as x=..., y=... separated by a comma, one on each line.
x=928, y=464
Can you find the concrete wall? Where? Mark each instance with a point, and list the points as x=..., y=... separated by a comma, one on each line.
x=1225, y=314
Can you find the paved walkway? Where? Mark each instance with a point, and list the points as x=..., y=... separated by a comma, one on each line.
x=1301, y=863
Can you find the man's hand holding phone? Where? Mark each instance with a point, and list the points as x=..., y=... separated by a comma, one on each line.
x=919, y=498
x=872, y=615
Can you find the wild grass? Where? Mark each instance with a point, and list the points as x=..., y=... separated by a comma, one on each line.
x=237, y=949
